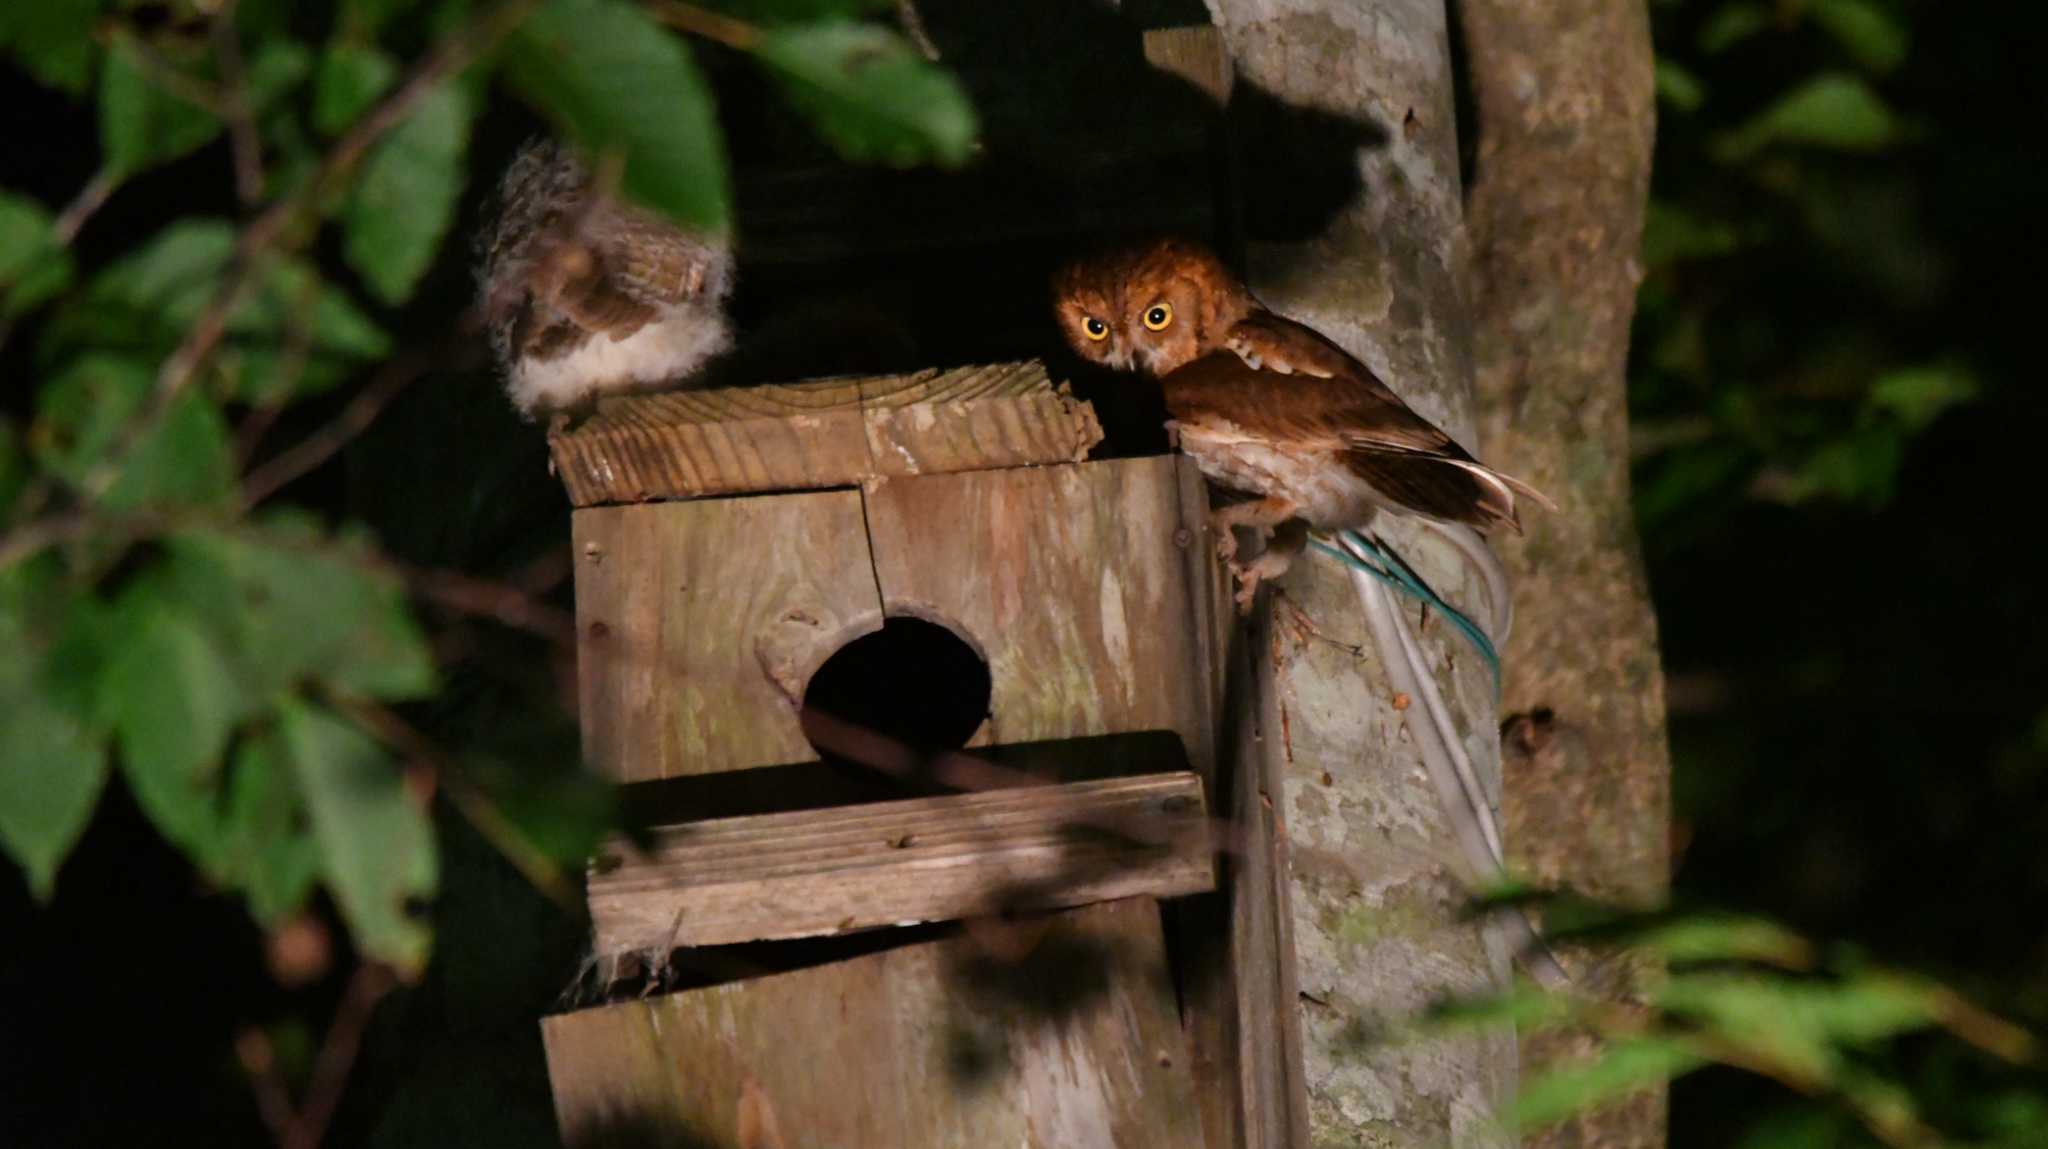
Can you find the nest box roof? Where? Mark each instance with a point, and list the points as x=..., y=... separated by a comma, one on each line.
x=821, y=433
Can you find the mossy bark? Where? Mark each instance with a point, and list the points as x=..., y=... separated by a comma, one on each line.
x=1504, y=317
x=1371, y=881
x=1564, y=101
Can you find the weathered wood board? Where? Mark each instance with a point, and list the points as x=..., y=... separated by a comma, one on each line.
x=698, y=620
x=936, y=1045
x=1078, y=584
x=826, y=433
x=834, y=870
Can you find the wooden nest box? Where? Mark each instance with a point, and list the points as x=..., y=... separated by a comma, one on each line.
x=729, y=544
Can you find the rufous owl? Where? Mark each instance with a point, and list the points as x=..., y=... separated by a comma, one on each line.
x=585, y=295
x=1267, y=406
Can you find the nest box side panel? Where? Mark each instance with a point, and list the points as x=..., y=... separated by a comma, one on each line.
x=1086, y=587
x=698, y=624
x=1072, y=1045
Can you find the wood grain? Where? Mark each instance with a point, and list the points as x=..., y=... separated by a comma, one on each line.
x=1195, y=53
x=826, y=433
x=831, y=871
x=928, y=1046
x=700, y=623
x=1075, y=584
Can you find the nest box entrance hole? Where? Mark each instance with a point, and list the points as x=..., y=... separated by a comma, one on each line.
x=913, y=681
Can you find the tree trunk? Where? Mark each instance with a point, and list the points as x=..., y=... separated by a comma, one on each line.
x=1538, y=311
x=1371, y=876
x=1565, y=120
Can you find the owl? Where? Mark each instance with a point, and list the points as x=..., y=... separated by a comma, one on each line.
x=585, y=295
x=1267, y=407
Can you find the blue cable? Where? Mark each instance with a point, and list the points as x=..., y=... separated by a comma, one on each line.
x=1396, y=574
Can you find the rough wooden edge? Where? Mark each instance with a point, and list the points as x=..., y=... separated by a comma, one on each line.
x=829, y=871
x=823, y=433
x=1195, y=53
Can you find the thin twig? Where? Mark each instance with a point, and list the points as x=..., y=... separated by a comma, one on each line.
x=162, y=72
x=712, y=26
x=34, y=537
x=475, y=806
x=83, y=206
x=509, y=605
x=258, y=1056
x=913, y=27
x=338, y=1054
x=242, y=137
x=268, y=228
x=355, y=418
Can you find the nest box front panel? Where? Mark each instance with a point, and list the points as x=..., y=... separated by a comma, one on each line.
x=1088, y=588
x=700, y=622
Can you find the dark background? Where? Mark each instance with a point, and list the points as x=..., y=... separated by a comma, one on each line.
x=1849, y=608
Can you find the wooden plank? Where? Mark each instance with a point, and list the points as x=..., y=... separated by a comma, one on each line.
x=1074, y=1045
x=1195, y=53
x=1273, y=1086
x=825, y=433
x=1074, y=582
x=700, y=622
x=836, y=870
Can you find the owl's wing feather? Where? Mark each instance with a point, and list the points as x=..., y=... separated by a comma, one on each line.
x=612, y=275
x=1281, y=381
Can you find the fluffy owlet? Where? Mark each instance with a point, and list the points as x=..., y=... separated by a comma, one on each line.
x=1267, y=407
x=585, y=295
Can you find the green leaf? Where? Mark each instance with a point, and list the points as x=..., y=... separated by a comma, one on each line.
x=870, y=93
x=1865, y=31
x=52, y=39
x=277, y=70
x=1861, y=466
x=1834, y=111
x=143, y=124
x=173, y=701
x=184, y=460
x=376, y=844
x=366, y=18
x=52, y=768
x=1673, y=234
x=148, y=300
x=351, y=78
x=405, y=200
x=268, y=376
x=25, y=234
x=296, y=607
x=1731, y=24
x=1726, y=938
x=1917, y=396
x=1678, y=87
x=33, y=267
x=13, y=465
x=1621, y=1068
x=793, y=11
x=293, y=296
x=268, y=850
x=1801, y=1025
x=619, y=82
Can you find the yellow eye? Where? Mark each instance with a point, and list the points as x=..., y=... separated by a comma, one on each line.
x=1158, y=316
x=1095, y=329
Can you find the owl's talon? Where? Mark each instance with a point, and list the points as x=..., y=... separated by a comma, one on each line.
x=1269, y=565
